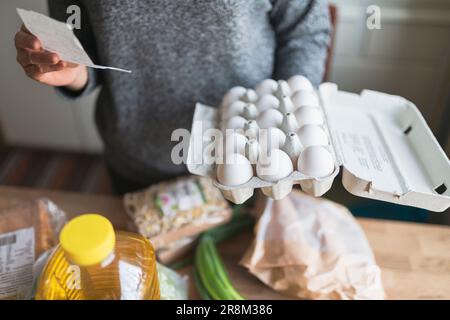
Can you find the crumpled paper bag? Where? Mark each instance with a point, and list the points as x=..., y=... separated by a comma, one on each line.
x=313, y=248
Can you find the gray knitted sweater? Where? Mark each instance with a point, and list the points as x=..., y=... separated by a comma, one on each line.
x=182, y=52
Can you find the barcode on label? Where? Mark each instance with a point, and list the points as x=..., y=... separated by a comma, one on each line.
x=8, y=240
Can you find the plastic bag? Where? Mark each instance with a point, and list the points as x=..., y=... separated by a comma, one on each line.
x=313, y=248
x=27, y=232
x=176, y=250
x=172, y=285
x=176, y=210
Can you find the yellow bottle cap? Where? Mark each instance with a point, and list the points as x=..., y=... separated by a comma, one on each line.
x=88, y=239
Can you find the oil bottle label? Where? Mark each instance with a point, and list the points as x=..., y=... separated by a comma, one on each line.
x=130, y=281
x=16, y=263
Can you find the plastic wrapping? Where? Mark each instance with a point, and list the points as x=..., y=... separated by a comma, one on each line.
x=176, y=250
x=27, y=233
x=178, y=209
x=172, y=285
x=313, y=248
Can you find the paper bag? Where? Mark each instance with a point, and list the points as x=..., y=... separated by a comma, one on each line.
x=313, y=248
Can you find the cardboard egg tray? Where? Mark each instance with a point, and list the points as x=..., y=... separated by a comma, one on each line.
x=384, y=145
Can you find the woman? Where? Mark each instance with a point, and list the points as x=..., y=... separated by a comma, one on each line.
x=180, y=52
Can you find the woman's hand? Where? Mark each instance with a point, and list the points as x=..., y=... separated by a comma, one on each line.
x=46, y=67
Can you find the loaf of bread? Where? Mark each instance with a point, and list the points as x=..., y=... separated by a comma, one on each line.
x=26, y=232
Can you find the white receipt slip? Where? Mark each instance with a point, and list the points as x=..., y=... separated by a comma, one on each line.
x=58, y=37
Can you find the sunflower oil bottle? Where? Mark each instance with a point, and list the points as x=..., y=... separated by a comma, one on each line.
x=93, y=262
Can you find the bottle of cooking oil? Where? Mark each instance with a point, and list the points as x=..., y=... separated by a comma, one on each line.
x=93, y=262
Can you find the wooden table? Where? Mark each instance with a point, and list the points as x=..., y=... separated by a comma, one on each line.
x=414, y=258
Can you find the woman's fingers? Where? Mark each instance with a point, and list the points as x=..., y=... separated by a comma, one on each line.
x=36, y=71
x=51, y=68
x=43, y=57
x=70, y=64
x=24, y=40
x=44, y=66
x=23, y=57
x=33, y=71
x=26, y=57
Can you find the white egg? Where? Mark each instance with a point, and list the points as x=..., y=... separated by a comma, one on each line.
x=233, y=95
x=312, y=135
x=236, y=108
x=305, y=98
x=236, y=170
x=269, y=118
x=297, y=83
x=315, y=161
x=274, y=166
x=308, y=115
x=236, y=122
x=271, y=138
x=267, y=86
x=266, y=102
x=235, y=143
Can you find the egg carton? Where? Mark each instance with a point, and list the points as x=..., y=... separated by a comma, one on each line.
x=384, y=146
x=214, y=118
x=209, y=116
x=278, y=190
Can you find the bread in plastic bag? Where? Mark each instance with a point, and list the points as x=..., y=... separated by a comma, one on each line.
x=176, y=250
x=178, y=209
x=313, y=248
x=27, y=232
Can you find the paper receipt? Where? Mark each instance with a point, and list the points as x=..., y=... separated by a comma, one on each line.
x=58, y=37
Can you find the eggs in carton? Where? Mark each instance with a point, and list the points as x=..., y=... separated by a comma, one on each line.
x=312, y=135
x=288, y=133
x=270, y=125
x=267, y=101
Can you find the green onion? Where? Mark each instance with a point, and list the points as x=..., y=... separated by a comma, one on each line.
x=200, y=288
x=211, y=278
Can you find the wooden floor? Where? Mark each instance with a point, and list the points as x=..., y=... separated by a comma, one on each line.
x=57, y=170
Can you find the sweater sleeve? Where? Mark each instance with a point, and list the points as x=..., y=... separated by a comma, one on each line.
x=302, y=29
x=58, y=11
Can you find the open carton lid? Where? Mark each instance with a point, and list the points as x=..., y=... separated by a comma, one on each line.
x=387, y=150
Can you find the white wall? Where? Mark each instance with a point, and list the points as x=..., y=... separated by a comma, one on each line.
x=32, y=114
x=409, y=57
